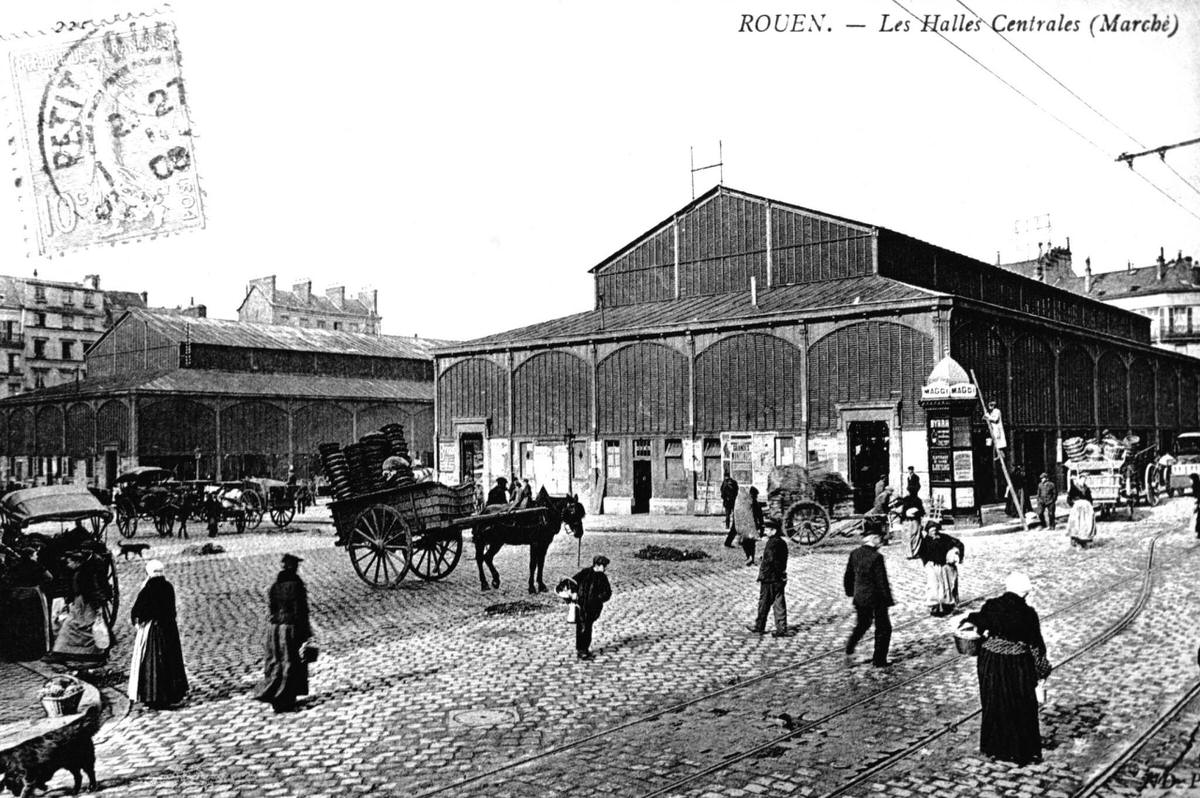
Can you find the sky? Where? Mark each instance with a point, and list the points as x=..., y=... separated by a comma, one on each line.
x=473, y=160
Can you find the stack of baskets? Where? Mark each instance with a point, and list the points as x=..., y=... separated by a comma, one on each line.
x=358, y=468
x=337, y=470
x=1074, y=449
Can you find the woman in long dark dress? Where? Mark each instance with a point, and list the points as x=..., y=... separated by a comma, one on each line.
x=1008, y=674
x=286, y=673
x=156, y=674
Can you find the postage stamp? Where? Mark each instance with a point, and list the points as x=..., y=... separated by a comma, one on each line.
x=107, y=147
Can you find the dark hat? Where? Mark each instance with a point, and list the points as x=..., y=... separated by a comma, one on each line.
x=501, y=481
x=291, y=560
x=600, y=559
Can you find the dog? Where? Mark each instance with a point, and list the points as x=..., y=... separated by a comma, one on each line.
x=132, y=548
x=28, y=767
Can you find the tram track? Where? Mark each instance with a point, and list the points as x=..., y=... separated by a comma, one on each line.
x=795, y=731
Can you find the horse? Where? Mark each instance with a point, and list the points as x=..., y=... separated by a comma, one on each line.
x=534, y=531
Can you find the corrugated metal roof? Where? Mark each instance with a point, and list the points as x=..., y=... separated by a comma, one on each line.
x=237, y=383
x=648, y=317
x=228, y=332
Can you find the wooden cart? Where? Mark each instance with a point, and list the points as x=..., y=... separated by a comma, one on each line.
x=1106, y=479
x=415, y=526
x=803, y=501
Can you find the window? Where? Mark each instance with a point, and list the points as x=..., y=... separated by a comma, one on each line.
x=352, y=327
x=712, y=460
x=39, y=293
x=67, y=322
x=39, y=378
x=39, y=319
x=66, y=350
x=89, y=301
x=612, y=459
x=641, y=448
x=13, y=363
x=87, y=322
x=68, y=297
x=39, y=347
x=337, y=325
x=785, y=451
x=10, y=331
x=1179, y=320
x=66, y=375
x=14, y=388
x=673, y=458
x=320, y=325
x=284, y=318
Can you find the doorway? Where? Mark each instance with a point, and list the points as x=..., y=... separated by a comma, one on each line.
x=470, y=457
x=869, y=460
x=110, y=468
x=642, y=482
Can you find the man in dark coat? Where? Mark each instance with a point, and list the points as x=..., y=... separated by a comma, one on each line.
x=772, y=584
x=593, y=591
x=866, y=581
x=1047, y=497
x=729, y=493
x=914, y=481
x=499, y=492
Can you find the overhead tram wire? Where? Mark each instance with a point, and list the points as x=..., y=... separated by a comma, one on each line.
x=1044, y=110
x=1046, y=72
x=1074, y=94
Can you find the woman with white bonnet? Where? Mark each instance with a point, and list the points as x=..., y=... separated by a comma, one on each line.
x=156, y=674
x=1012, y=660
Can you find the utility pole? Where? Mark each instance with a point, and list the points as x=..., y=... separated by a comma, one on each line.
x=720, y=164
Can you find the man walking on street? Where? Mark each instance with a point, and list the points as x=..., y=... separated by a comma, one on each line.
x=1047, y=497
x=772, y=584
x=866, y=581
x=729, y=492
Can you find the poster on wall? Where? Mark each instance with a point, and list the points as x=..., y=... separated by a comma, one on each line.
x=447, y=458
x=964, y=469
x=940, y=495
x=964, y=498
x=939, y=432
x=939, y=466
x=740, y=459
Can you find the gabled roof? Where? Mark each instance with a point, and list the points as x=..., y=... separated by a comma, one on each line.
x=287, y=300
x=248, y=335
x=235, y=383
x=789, y=301
x=1178, y=276
x=732, y=192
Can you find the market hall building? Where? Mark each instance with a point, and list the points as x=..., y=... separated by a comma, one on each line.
x=742, y=332
x=211, y=398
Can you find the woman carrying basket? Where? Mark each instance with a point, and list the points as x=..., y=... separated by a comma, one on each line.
x=1012, y=661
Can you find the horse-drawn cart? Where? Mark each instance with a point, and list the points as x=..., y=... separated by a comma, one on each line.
x=409, y=526
x=27, y=516
x=803, y=501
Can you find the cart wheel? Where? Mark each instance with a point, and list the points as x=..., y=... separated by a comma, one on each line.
x=127, y=518
x=380, y=546
x=112, y=602
x=434, y=558
x=1151, y=485
x=282, y=517
x=99, y=524
x=806, y=522
x=164, y=522
x=253, y=509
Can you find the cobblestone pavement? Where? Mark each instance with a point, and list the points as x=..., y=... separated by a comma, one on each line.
x=421, y=687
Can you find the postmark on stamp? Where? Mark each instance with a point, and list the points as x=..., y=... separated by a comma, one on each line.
x=108, y=151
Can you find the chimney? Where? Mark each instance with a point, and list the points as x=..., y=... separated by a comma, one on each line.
x=92, y=281
x=145, y=298
x=267, y=284
x=370, y=298
x=303, y=290
x=336, y=295
x=1162, y=265
x=1087, y=275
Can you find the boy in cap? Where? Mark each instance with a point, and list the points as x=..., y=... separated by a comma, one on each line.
x=772, y=584
x=594, y=591
x=866, y=581
x=1047, y=497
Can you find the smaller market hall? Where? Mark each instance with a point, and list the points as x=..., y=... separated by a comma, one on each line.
x=741, y=333
x=217, y=399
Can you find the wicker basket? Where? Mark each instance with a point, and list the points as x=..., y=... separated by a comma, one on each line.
x=63, y=705
x=967, y=643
